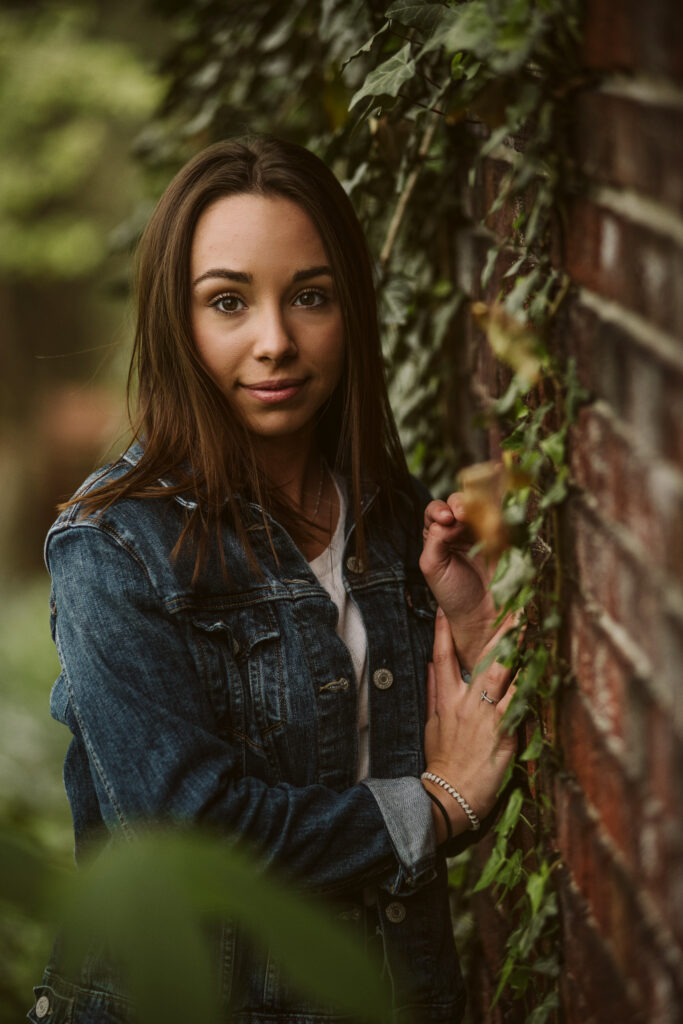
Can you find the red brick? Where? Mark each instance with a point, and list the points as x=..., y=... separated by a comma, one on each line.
x=590, y=869
x=620, y=141
x=624, y=261
x=631, y=35
x=661, y=841
x=596, y=347
x=591, y=989
x=643, y=396
x=601, y=674
x=501, y=221
x=668, y=666
x=672, y=417
x=471, y=247
x=665, y=495
x=597, y=560
x=600, y=774
x=636, y=490
x=633, y=950
x=596, y=455
x=642, y=390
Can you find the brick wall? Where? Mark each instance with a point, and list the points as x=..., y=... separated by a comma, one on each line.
x=619, y=793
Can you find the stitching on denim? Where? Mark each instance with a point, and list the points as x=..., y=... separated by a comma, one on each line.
x=188, y=602
x=334, y=686
x=116, y=538
x=115, y=997
x=125, y=827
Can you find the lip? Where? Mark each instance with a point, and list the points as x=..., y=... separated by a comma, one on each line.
x=272, y=391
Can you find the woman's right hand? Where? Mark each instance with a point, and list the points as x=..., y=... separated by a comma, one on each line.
x=464, y=743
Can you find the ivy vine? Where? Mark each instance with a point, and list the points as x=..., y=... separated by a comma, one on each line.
x=408, y=103
x=502, y=69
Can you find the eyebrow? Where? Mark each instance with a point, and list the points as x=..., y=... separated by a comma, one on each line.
x=242, y=278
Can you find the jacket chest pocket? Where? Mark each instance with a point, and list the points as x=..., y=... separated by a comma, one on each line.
x=241, y=656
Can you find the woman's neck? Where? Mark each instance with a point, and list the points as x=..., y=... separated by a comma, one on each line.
x=298, y=471
x=293, y=465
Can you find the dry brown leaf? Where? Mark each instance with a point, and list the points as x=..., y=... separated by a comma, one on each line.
x=514, y=341
x=482, y=487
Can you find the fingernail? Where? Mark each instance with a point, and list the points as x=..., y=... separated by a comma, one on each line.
x=439, y=612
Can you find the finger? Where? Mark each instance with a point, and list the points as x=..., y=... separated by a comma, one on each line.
x=443, y=540
x=506, y=699
x=456, y=504
x=437, y=512
x=431, y=691
x=511, y=620
x=502, y=708
x=446, y=666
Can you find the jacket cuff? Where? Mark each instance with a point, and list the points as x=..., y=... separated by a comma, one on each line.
x=407, y=813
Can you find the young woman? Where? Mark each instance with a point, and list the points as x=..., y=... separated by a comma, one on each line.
x=246, y=637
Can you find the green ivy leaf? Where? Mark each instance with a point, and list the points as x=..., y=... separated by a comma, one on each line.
x=425, y=17
x=515, y=569
x=387, y=79
x=576, y=395
x=557, y=491
x=491, y=869
x=458, y=869
x=366, y=47
x=511, y=873
x=466, y=27
x=535, y=887
x=554, y=446
x=510, y=815
x=503, y=977
x=549, y=966
x=540, y=1013
x=534, y=748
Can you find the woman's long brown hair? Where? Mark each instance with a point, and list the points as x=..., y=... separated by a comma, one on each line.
x=188, y=431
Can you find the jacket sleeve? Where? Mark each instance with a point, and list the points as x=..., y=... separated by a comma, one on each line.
x=154, y=755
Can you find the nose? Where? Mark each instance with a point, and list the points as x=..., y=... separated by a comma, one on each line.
x=274, y=338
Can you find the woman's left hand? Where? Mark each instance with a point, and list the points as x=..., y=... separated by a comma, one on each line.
x=458, y=581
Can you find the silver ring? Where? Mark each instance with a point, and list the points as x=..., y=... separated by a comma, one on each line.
x=485, y=696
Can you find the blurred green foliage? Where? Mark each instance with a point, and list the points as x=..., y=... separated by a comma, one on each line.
x=32, y=799
x=64, y=93
x=77, y=82
x=151, y=901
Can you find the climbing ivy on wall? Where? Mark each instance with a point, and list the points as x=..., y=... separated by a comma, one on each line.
x=405, y=103
x=505, y=66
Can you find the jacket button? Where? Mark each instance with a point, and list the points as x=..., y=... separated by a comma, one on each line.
x=382, y=678
x=354, y=564
x=395, y=912
x=42, y=1007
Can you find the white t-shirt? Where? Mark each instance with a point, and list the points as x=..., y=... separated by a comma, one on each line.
x=328, y=569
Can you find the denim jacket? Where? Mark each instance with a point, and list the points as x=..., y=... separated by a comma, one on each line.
x=232, y=704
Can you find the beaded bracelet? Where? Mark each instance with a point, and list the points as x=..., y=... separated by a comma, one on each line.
x=435, y=800
x=474, y=820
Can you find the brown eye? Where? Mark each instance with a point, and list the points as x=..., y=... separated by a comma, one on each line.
x=311, y=298
x=228, y=303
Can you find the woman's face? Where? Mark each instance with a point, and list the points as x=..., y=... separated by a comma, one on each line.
x=265, y=315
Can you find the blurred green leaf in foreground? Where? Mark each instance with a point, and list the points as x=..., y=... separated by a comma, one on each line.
x=150, y=901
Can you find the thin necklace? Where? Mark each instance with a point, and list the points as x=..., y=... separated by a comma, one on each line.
x=320, y=489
